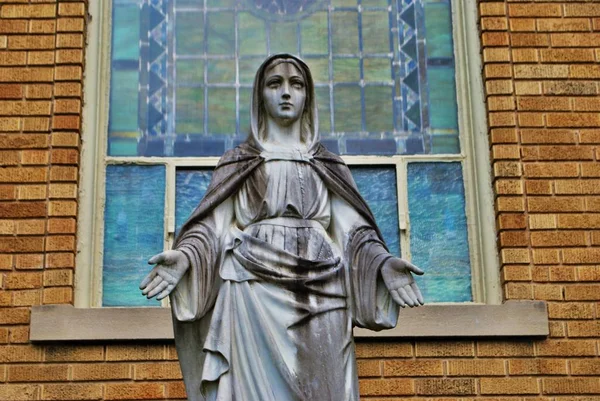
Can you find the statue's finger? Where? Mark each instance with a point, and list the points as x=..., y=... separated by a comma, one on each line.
x=414, y=269
x=156, y=259
x=417, y=291
x=397, y=299
x=411, y=294
x=406, y=297
x=156, y=281
x=147, y=279
x=159, y=288
x=165, y=292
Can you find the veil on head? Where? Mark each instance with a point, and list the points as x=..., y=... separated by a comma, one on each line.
x=310, y=119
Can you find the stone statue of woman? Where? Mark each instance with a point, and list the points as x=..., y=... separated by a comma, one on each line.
x=281, y=259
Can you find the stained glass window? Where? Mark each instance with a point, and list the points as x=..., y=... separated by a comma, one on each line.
x=182, y=71
x=181, y=74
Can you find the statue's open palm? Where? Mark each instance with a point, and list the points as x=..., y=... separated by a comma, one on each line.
x=397, y=275
x=170, y=268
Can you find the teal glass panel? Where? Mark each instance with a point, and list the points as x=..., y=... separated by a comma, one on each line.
x=245, y=98
x=322, y=95
x=438, y=29
x=376, y=32
x=284, y=37
x=319, y=67
x=347, y=109
x=189, y=32
x=190, y=110
x=123, y=116
x=221, y=71
x=252, y=35
x=133, y=231
x=377, y=185
x=190, y=187
x=221, y=33
x=314, y=34
x=443, y=113
x=248, y=68
x=126, y=32
x=344, y=3
x=445, y=143
x=189, y=71
x=374, y=3
x=438, y=231
x=379, y=114
x=377, y=70
x=344, y=26
x=221, y=111
x=346, y=69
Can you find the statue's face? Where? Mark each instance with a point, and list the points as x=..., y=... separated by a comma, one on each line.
x=284, y=93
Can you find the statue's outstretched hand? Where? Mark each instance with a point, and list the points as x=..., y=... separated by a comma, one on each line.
x=170, y=268
x=397, y=275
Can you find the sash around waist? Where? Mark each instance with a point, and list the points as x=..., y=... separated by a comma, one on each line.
x=290, y=222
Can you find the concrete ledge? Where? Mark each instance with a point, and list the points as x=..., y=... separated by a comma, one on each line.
x=512, y=319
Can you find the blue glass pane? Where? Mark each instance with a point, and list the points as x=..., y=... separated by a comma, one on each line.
x=133, y=231
x=126, y=31
x=442, y=98
x=190, y=187
x=377, y=185
x=438, y=29
x=438, y=231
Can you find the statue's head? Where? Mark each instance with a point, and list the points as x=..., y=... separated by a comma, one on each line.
x=284, y=92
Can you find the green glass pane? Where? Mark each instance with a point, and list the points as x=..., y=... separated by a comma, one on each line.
x=344, y=3
x=220, y=3
x=375, y=32
x=190, y=3
x=319, y=68
x=124, y=100
x=374, y=3
x=438, y=29
x=442, y=98
x=445, y=143
x=345, y=32
x=221, y=71
x=126, y=33
x=251, y=35
x=284, y=37
x=189, y=110
x=122, y=146
x=377, y=69
x=221, y=35
x=322, y=95
x=245, y=96
x=190, y=71
x=346, y=69
x=378, y=109
x=248, y=68
x=314, y=34
x=189, y=33
x=347, y=108
x=221, y=111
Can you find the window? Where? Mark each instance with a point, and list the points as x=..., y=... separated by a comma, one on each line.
x=174, y=94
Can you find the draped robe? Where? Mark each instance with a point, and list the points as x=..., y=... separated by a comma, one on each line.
x=285, y=259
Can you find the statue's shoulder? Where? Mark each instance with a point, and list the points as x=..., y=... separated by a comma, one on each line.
x=324, y=155
x=241, y=153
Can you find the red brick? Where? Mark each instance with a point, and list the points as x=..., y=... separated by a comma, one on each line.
x=582, y=10
x=584, y=71
x=512, y=221
x=42, y=26
x=444, y=349
x=60, y=260
x=588, y=273
x=516, y=273
x=567, y=55
x=558, y=238
x=68, y=73
x=522, y=24
x=28, y=11
x=22, y=209
x=555, y=204
x=65, y=156
x=402, y=367
x=585, y=367
x=534, y=367
x=534, y=10
x=571, y=221
x=546, y=71
x=476, y=367
x=57, y=295
x=532, y=136
x=70, y=25
x=157, y=371
x=529, y=40
x=582, y=292
x=504, y=348
x=581, y=256
x=13, y=26
x=385, y=350
x=20, y=353
x=67, y=89
x=30, y=42
x=16, y=392
x=71, y=9
x=490, y=8
x=509, y=187
x=538, y=187
x=584, y=329
x=135, y=352
x=60, y=173
x=14, y=316
x=519, y=291
x=575, y=39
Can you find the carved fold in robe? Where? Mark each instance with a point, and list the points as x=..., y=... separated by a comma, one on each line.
x=285, y=259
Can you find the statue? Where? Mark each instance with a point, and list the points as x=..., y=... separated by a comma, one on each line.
x=279, y=261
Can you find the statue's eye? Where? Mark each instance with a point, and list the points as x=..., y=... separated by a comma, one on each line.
x=298, y=84
x=273, y=83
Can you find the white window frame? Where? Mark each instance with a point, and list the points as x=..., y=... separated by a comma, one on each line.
x=474, y=158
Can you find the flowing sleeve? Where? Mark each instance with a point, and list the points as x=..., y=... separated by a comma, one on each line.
x=369, y=300
x=195, y=294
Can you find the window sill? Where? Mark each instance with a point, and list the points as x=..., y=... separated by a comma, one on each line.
x=512, y=319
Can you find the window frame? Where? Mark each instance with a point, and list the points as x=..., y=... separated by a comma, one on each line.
x=474, y=158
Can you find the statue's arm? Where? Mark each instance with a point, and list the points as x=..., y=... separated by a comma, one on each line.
x=189, y=273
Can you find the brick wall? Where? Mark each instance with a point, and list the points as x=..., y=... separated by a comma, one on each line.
x=541, y=78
